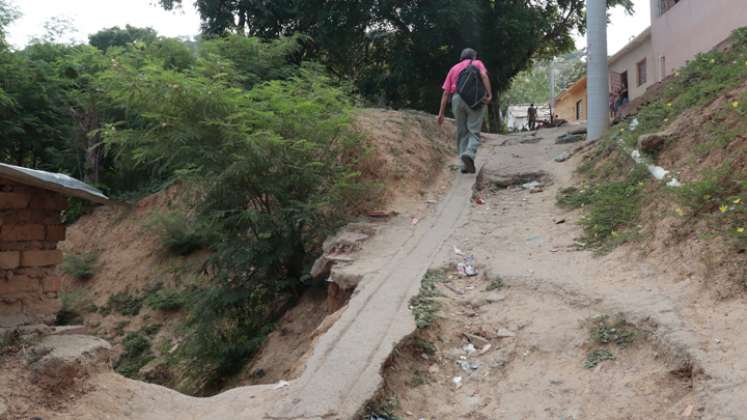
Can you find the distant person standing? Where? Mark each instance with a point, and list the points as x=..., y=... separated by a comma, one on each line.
x=532, y=114
x=468, y=85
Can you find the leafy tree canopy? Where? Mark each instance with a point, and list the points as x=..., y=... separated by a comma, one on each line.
x=118, y=37
x=397, y=51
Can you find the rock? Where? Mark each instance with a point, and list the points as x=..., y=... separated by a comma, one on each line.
x=346, y=241
x=581, y=130
x=57, y=361
x=653, y=143
x=3, y=409
x=504, y=333
x=562, y=157
x=570, y=138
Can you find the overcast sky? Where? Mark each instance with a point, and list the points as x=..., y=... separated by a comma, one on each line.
x=89, y=16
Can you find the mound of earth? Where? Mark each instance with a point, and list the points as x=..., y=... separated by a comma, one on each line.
x=408, y=152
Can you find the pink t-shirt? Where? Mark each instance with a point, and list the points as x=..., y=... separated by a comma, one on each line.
x=450, y=84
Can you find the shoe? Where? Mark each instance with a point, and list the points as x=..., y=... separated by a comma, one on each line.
x=469, y=165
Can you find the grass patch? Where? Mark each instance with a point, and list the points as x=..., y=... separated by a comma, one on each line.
x=612, y=209
x=178, y=234
x=424, y=346
x=495, y=283
x=80, y=266
x=383, y=409
x=596, y=357
x=605, y=333
x=124, y=303
x=424, y=306
x=137, y=353
x=166, y=300
x=73, y=303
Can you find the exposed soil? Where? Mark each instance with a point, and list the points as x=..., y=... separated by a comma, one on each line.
x=684, y=362
x=531, y=347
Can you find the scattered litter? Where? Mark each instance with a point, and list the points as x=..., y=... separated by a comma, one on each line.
x=459, y=292
x=457, y=380
x=461, y=270
x=688, y=411
x=479, y=200
x=504, y=333
x=469, y=348
x=458, y=251
x=531, y=185
x=468, y=366
x=434, y=369
x=536, y=190
x=674, y=183
x=562, y=157
x=415, y=220
x=633, y=124
x=485, y=349
x=469, y=266
x=534, y=238
x=559, y=221
x=717, y=340
x=474, y=337
x=431, y=202
x=281, y=384
x=554, y=250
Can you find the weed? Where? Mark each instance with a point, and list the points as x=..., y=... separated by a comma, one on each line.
x=419, y=378
x=495, y=284
x=151, y=329
x=383, y=409
x=120, y=326
x=574, y=198
x=596, y=357
x=125, y=304
x=618, y=332
x=80, y=266
x=178, y=234
x=166, y=300
x=10, y=341
x=424, y=346
x=71, y=304
x=137, y=353
x=424, y=306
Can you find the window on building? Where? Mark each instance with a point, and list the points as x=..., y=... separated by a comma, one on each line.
x=642, y=72
x=665, y=5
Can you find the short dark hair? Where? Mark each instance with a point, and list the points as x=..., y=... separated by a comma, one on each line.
x=468, y=53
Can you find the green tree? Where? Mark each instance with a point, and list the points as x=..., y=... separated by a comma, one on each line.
x=533, y=84
x=118, y=37
x=398, y=51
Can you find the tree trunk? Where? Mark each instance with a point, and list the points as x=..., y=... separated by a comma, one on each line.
x=494, y=114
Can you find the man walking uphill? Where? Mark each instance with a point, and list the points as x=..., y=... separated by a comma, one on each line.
x=469, y=87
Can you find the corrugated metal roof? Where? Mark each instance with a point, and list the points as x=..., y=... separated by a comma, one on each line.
x=54, y=182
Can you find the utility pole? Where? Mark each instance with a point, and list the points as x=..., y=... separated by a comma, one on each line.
x=597, y=71
x=552, y=88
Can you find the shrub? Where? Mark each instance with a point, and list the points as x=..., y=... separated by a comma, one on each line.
x=178, y=234
x=71, y=303
x=166, y=300
x=137, y=353
x=125, y=303
x=80, y=266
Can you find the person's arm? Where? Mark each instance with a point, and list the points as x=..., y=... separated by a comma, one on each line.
x=442, y=109
x=488, y=87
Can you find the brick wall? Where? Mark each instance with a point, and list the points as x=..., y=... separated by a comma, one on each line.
x=29, y=231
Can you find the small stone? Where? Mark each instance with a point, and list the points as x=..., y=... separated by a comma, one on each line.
x=562, y=157
x=504, y=333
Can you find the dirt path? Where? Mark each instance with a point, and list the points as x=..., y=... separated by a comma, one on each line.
x=685, y=362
